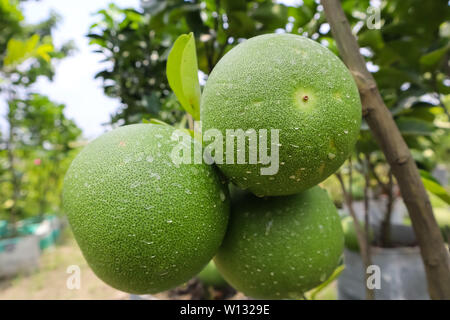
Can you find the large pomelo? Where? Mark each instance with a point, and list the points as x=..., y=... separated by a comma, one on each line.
x=281, y=247
x=293, y=84
x=143, y=223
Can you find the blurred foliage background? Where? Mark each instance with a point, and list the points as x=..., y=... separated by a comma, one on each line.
x=408, y=53
x=37, y=143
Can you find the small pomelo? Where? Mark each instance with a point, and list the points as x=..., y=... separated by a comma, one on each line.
x=280, y=247
x=143, y=223
x=292, y=84
x=210, y=276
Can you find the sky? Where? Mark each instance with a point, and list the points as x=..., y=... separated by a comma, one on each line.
x=74, y=83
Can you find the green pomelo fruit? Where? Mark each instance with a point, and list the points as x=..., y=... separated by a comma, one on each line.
x=143, y=223
x=210, y=276
x=280, y=247
x=293, y=84
x=351, y=240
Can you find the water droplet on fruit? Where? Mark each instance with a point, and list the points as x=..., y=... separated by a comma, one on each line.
x=331, y=156
x=150, y=159
x=222, y=196
x=169, y=221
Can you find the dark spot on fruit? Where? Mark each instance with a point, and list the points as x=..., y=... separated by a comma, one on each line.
x=305, y=98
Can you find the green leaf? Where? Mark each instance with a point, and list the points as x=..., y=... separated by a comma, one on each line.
x=414, y=126
x=182, y=74
x=428, y=175
x=432, y=58
x=18, y=51
x=433, y=186
x=324, y=284
x=155, y=121
x=43, y=51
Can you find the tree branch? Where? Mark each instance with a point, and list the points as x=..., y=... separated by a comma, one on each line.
x=361, y=236
x=434, y=253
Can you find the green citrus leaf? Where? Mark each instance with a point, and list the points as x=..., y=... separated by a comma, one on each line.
x=414, y=126
x=337, y=272
x=433, y=186
x=432, y=58
x=182, y=74
x=156, y=121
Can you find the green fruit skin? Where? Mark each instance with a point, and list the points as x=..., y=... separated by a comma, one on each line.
x=260, y=84
x=281, y=247
x=143, y=223
x=210, y=276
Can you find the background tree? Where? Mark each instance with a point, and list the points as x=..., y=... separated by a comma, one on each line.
x=37, y=138
x=137, y=43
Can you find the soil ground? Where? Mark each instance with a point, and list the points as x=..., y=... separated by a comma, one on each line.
x=49, y=282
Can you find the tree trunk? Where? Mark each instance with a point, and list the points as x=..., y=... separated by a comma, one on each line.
x=434, y=253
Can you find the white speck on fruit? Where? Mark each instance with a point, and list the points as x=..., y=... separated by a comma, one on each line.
x=331, y=156
x=135, y=184
x=155, y=175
